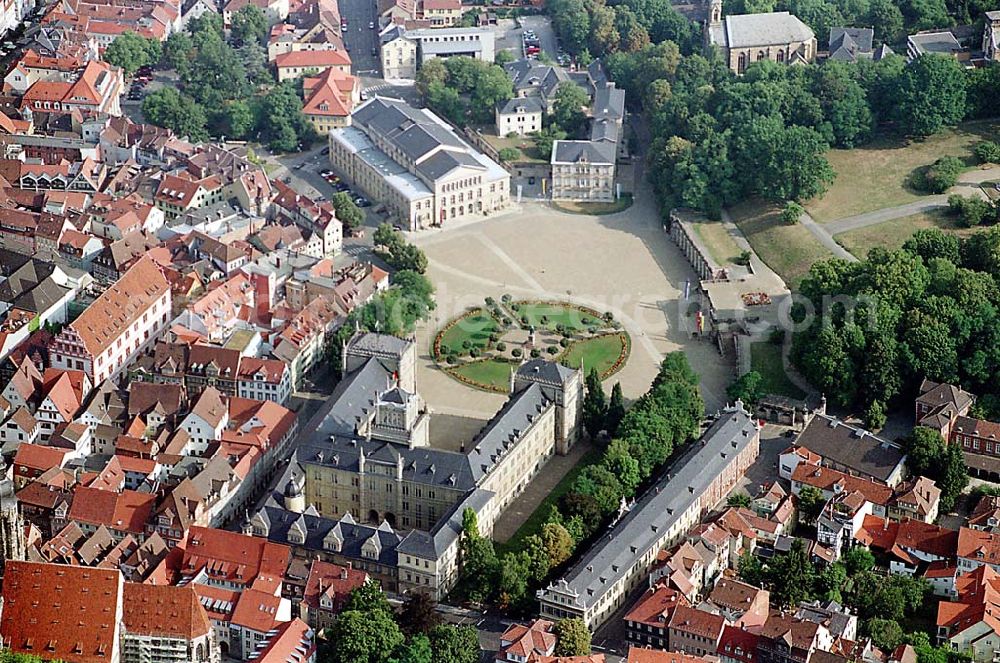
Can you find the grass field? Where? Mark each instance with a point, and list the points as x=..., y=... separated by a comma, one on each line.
x=537, y=518
x=489, y=372
x=572, y=318
x=788, y=250
x=474, y=327
x=875, y=175
x=765, y=358
x=892, y=234
x=720, y=244
x=597, y=209
x=601, y=353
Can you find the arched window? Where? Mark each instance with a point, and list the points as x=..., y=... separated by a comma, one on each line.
x=781, y=56
x=741, y=65
x=761, y=55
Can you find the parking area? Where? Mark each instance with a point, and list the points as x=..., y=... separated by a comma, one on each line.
x=545, y=37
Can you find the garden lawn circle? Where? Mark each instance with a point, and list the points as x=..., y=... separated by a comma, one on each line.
x=485, y=345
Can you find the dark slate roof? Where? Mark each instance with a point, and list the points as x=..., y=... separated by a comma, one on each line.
x=682, y=485
x=882, y=52
x=431, y=545
x=855, y=448
x=352, y=397
x=425, y=465
x=352, y=534
x=408, y=129
x=379, y=344
x=529, y=104
x=396, y=395
x=41, y=297
x=504, y=430
x=849, y=44
x=550, y=372
x=575, y=151
x=533, y=75
x=446, y=161
x=604, y=129
x=609, y=102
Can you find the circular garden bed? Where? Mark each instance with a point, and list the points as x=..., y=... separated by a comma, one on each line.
x=481, y=347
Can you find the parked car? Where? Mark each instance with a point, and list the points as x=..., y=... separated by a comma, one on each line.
x=371, y=25
x=361, y=201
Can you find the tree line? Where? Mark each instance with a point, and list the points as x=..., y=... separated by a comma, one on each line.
x=642, y=441
x=927, y=310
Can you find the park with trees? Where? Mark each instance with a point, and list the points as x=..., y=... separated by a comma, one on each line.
x=482, y=346
x=928, y=310
x=225, y=88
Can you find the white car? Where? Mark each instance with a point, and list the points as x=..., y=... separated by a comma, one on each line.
x=371, y=25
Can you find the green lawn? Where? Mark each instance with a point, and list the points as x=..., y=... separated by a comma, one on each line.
x=555, y=314
x=892, y=234
x=601, y=353
x=789, y=250
x=765, y=358
x=488, y=372
x=537, y=518
x=474, y=327
x=876, y=175
x=720, y=244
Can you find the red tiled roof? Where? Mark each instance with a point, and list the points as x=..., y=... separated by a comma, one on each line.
x=333, y=580
x=317, y=59
x=656, y=606
x=703, y=624
x=238, y=558
x=61, y=612
x=824, y=478
x=975, y=544
x=737, y=643
x=127, y=511
x=294, y=642
x=257, y=611
x=37, y=457
x=533, y=640
x=162, y=610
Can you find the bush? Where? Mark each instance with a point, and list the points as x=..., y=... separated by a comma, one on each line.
x=466, y=344
x=776, y=337
x=516, y=352
x=474, y=352
x=444, y=350
x=942, y=174
x=501, y=346
x=564, y=342
x=509, y=154
x=971, y=210
x=490, y=301
x=452, y=359
x=743, y=258
x=505, y=298
x=494, y=337
x=790, y=215
x=535, y=354
x=544, y=320
x=608, y=316
x=592, y=329
x=988, y=152
x=552, y=349
x=524, y=319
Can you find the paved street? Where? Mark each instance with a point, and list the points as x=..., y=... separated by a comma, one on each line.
x=359, y=38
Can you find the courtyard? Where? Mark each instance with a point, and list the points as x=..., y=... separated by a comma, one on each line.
x=621, y=263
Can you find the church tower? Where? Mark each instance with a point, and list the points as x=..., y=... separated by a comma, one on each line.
x=12, y=541
x=714, y=12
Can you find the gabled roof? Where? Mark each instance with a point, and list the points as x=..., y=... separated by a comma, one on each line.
x=313, y=59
